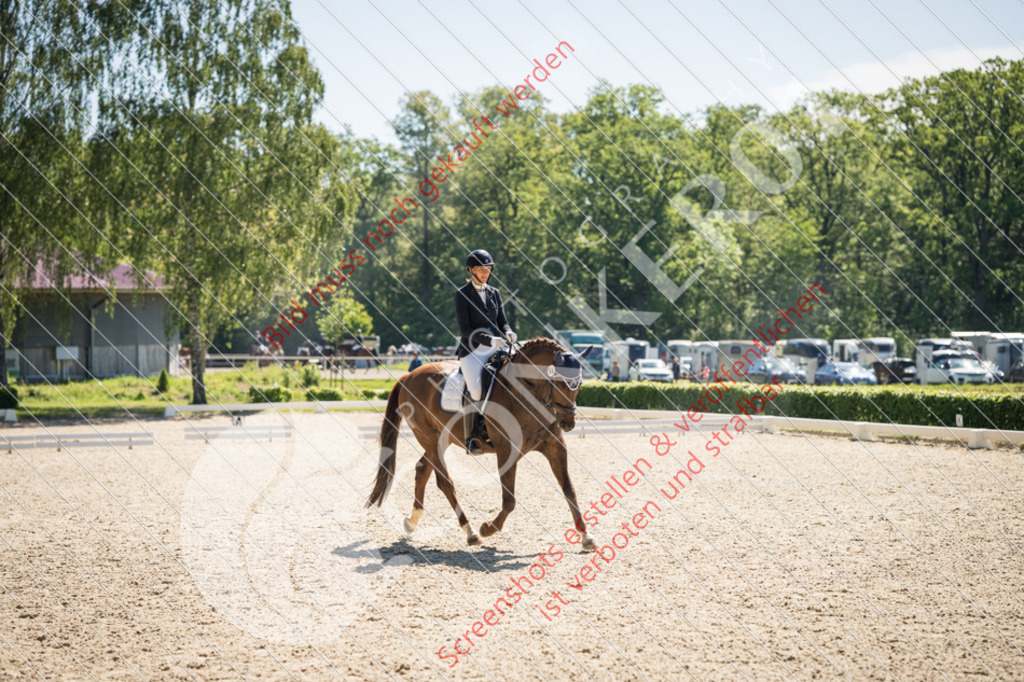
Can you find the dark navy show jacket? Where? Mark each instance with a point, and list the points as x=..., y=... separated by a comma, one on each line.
x=479, y=320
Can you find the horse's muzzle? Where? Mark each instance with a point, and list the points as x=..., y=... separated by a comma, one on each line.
x=567, y=424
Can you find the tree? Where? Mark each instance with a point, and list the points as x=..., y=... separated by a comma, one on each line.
x=342, y=316
x=956, y=136
x=422, y=127
x=50, y=59
x=230, y=187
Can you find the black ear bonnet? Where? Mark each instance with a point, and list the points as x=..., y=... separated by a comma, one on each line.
x=567, y=368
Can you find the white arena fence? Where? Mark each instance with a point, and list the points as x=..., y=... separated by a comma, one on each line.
x=606, y=420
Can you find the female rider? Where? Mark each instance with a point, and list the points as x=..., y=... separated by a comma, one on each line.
x=482, y=323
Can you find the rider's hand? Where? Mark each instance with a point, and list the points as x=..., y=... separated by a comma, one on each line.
x=497, y=342
x=512, y=337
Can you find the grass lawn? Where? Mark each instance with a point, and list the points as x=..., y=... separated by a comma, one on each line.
x=137, y=396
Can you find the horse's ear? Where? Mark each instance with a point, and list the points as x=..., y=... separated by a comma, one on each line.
x=586, y=352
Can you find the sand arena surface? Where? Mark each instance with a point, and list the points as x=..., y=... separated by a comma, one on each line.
x=788, y=557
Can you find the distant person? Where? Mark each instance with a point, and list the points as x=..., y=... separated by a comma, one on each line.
x=675, y=368
x=415, y=362
x=616, y=371
x=359, y=339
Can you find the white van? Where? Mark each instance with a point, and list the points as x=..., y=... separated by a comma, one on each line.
x=1002, y=349
x=876, y=349
x=807, y=354
x=845, y=350
x=705, y=360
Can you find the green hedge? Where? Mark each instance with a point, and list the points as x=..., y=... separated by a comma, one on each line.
x=884, y=404
x=324, y=394
x=269, y=394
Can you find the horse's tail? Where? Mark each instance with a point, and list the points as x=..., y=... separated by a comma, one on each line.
x=388, y=442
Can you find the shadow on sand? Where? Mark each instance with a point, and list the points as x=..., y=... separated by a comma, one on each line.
x=400, y=551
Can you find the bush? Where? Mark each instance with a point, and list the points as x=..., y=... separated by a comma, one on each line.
x=269, y=394
x=163, y=382
x=309, y=376
x=323, y=394
x=8, y=397
x=884, y=404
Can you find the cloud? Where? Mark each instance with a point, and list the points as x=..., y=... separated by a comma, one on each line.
x=875, y=77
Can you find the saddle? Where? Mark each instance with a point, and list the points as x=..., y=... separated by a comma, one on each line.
x=455, y=393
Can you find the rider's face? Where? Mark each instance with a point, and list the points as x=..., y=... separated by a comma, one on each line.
x=481, y=273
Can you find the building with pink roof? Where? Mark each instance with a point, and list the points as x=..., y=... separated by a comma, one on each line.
x=94, y=325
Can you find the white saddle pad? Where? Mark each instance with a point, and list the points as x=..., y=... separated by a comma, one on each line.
x=451, y=392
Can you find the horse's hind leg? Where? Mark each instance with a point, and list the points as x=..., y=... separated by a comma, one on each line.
x=507, y=469
x=423, y=469
x=445, y=484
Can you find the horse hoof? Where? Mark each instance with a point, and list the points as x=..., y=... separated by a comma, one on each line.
x=588, y=542
x=487, y=529
x=473, y=539
x=409, y=526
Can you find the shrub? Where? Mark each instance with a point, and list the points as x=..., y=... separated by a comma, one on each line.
x=163, y=382
x=269, y=394
x=323, y=394
x=309, y=376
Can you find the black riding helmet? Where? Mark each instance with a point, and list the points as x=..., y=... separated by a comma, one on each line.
x=479, y=257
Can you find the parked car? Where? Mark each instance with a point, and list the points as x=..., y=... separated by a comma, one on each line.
x=893, y=370
x=767, y=368
x=650, y=370
x=992, y=367
x=959, y=369
x=838, y=373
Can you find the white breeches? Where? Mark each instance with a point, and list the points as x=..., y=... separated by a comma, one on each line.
x=473, y=368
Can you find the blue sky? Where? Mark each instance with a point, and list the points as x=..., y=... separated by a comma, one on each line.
x=768, y=52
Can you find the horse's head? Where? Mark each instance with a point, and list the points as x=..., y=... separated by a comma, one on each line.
x=553, y=376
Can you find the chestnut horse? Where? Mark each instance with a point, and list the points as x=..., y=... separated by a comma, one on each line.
x=532, y=403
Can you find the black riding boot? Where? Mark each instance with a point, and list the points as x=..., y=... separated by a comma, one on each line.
x=471, y=421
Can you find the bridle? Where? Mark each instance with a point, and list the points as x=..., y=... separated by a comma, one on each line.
x=558, y=408
x=553, y=374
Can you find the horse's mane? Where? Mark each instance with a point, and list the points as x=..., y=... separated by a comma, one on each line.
x=541, y=342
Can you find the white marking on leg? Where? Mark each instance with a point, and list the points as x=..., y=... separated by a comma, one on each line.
x=413, y=521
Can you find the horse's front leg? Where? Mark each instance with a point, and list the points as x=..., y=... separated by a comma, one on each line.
x=507, y=461
x=558, y=457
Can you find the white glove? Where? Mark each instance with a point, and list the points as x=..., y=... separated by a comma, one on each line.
x=497, y=342
x=512, y=337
